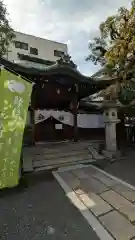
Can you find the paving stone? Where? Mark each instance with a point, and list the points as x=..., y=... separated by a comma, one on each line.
x=90, y=171
x=71, y=180
x=95, y=203
x=125, y=192
x=120, y=203
x=79, y=191
x=105, y=179
x=80, y=173
x=93, y=185
x=118, y=226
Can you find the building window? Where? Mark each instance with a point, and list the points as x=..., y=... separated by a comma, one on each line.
x=33, y=51
x=21, y=45
x=58, y=53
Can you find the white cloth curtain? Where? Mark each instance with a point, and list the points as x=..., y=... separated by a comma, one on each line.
x=61, y=116
x=90, y=121
x=64, y=117
x=42, y=115
x=84, y=120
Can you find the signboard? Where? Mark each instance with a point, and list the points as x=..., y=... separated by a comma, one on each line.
x=15, y=95
x=58, y=126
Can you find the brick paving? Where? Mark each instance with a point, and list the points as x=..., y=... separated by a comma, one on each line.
x=111, y=202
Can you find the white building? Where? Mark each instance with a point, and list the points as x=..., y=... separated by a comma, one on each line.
x=33, y=51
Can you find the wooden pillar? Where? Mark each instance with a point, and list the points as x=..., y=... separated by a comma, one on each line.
x=33, y=126
x=33, y=107
x=75, y=110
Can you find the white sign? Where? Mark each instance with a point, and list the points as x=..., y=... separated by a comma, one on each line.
x=58, y=126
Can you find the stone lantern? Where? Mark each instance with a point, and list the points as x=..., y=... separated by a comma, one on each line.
x=111, y=119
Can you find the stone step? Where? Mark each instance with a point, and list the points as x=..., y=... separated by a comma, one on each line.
x=58, y=149
x=60, y=165
x=60, y=155
x=53, y=151
x=60, y=160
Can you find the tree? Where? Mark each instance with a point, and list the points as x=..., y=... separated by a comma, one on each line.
x=114, y=48
x=6, y=32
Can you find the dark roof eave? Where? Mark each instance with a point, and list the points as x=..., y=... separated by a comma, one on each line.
x=50, y=70
x=55, y=69
x=35, y=59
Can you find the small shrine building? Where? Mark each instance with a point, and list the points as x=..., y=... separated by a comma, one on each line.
x=56, y=110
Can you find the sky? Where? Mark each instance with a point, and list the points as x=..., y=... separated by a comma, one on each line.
x=74, y=22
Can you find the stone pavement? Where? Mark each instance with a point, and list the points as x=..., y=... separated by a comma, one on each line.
x=108, y=199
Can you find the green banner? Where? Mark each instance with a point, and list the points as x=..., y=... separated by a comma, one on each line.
x=15, y=94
